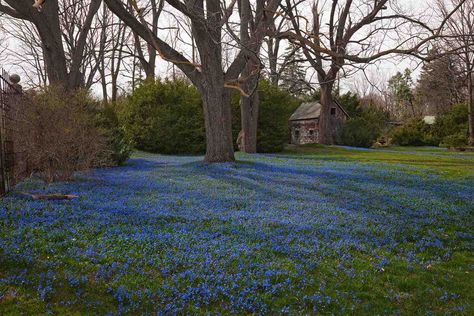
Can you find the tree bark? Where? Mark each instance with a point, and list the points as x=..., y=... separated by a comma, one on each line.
x=273, y=45
x=249, y=116
x=326, y=135
x=218, y=121
x=49, y=30
x=469, y=109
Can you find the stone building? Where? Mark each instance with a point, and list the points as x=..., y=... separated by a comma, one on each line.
x=304, y=123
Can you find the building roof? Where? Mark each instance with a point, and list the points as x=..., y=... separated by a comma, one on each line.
x=310, y=110
x=307, y=111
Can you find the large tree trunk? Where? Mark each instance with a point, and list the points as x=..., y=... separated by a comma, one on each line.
x=218, y=121
x=326, y=135
x=469, y=109
x=53, y=50
x=216, y=98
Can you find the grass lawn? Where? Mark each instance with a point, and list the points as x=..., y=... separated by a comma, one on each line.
x=315, y=230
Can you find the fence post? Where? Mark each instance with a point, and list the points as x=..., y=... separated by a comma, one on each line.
x=10, y=93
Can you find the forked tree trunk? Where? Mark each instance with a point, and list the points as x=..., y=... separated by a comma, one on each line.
x=207, y=20
x=325, y=129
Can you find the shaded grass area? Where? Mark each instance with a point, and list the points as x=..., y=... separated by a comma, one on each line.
x=316, y=230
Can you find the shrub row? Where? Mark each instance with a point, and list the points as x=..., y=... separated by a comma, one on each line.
x=166, y=117
x=367, y=125
x=449, y=130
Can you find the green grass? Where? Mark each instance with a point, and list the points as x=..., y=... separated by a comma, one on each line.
x=419, y=159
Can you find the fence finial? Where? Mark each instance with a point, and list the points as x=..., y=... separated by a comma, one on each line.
x=14, y=78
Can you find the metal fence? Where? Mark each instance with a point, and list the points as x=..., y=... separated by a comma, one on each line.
x=12, y=165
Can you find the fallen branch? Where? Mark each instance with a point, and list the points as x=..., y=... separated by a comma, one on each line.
x=54, y=196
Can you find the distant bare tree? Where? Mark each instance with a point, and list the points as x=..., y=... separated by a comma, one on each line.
x=460, y=39
x=440, y=85
x=146, y=53
x=27, y=54
x=3, y=45
x=351, y=34
x=62, y=45
x=280, y=55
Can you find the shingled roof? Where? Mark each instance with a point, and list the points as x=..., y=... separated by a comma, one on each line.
x=310, y=110
x=307, y=111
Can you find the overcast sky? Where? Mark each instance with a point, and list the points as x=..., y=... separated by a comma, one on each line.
x=378, y=73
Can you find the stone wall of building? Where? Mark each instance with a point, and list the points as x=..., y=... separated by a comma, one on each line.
x=304, y=132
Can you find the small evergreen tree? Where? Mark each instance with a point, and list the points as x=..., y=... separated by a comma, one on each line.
x=401, y=92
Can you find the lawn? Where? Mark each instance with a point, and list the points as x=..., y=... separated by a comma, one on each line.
x=313, y=230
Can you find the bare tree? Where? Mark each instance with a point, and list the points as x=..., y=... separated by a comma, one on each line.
x=440, y=84
x=111, y=48
x=460, y=40
x=273, y=46
x=351, y=34
x=211, y=79
x=250, y=100
x=279, y=55
x=147, y=56
x=60, y=68
x=27, y=53
x=3, y=44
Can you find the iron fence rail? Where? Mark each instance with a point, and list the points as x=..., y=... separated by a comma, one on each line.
x=10, y=98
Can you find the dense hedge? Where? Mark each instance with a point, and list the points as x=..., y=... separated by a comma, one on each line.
x=451, y=127
x=413, y=133
x=166, y=117
x=364, y=126
x=119, y=144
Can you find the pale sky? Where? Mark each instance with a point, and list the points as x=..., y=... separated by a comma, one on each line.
x=380, y=71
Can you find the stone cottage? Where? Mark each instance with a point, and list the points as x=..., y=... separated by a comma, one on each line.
x=304, y=123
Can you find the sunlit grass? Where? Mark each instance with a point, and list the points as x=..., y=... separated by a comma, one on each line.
x=425, y=159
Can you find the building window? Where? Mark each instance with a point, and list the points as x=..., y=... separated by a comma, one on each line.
x=297, y=133
x=333, y=111
x=311, y=132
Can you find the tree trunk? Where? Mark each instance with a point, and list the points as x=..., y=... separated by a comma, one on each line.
x=149, y=71
x=249, y=110
x=50, y=33
x=218, y=123
x=469, y=109
x=272, y=62
x=249, y=120
x=326, y=135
